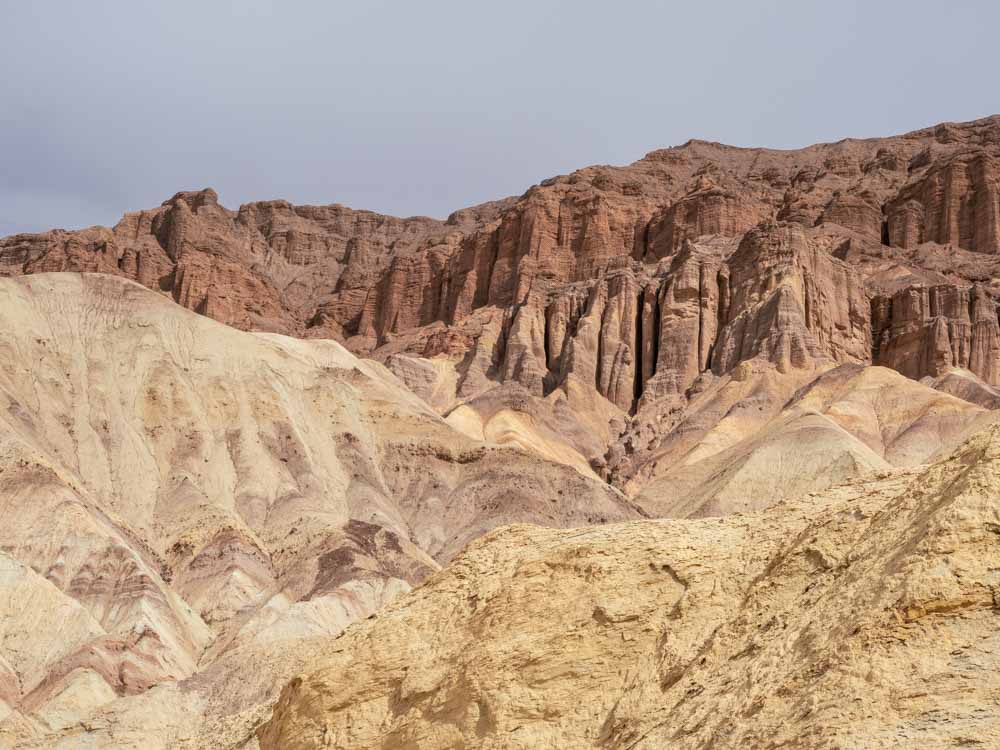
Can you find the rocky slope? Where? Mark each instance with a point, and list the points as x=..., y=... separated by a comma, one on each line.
x=862, y=617
x=771, y=345
x=175, y=491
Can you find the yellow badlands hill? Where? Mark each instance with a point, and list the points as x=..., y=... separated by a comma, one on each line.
x=865, y=617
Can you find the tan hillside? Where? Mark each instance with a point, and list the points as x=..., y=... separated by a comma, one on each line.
x=174, y=490
x=864, y=616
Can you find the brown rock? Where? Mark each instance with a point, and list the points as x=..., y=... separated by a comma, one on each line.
x=956, y=202
x=791, y=303
x=925, y=331
x=616, y=292
x=707, y=210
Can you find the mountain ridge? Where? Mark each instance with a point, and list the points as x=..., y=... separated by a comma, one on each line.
x=246, y=453
x=607, y=300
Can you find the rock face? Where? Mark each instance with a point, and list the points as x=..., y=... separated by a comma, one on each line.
x=262, y=267
x=925, y=331
x=956, y=202
x=628, y=285
x=865, y=617
x=355, y=273
x=790, y=303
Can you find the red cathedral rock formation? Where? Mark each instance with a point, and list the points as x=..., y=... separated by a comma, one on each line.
x=922, y=331
x=616, y=295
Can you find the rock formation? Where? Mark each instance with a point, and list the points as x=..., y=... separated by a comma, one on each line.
x=925, y=331
x=773, y=346
x=955, y=202
x=174, y=489
x=862, y=617
x=624, y=285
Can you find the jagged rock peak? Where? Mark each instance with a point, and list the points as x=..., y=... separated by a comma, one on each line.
x=194, y=198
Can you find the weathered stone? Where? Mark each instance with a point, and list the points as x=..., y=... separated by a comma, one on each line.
x=924, y=331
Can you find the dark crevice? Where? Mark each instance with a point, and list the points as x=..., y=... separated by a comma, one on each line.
x=348, y=252
x=637, y=357
x=441, y=303
x=177, y=282
x=885, y=231
x=655, y=353
x=484, y=297
x=500, y=352
x=807, y=295
x=545, y=342
x=549, y=381
x=644, y=244
x=701, y=312
x=600, y=353
x=722, y=282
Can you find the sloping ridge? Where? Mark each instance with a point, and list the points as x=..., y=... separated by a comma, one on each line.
x=185, y=504
x=847, y=422
x=863, y=618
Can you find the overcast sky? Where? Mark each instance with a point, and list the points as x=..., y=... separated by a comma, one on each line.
x=421, y=107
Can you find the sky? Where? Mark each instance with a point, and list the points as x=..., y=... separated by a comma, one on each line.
x=422, y=107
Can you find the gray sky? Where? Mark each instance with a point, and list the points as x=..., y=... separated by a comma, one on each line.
x=421, y=107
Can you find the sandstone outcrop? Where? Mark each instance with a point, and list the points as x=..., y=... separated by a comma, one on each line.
x=956, y=202
x=790, y=303
x=332, y=270
x=262, y=267
x=619, y=292
x=925, y=331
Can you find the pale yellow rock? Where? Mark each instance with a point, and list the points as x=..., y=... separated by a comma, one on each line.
x=84, y=691
x=511, y=428
x=204, y=511
x=862, y=617
x=39, y=626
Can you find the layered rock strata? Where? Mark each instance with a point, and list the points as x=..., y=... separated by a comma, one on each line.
x=600, y=304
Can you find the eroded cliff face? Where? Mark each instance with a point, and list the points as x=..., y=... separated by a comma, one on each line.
x=926, y=331
x=615, y=295
x=957, y=202
x=639, y=333
x=262, y=267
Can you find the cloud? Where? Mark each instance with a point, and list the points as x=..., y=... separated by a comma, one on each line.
x=422, y=108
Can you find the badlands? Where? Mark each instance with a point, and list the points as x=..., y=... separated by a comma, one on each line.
x=701, y=452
